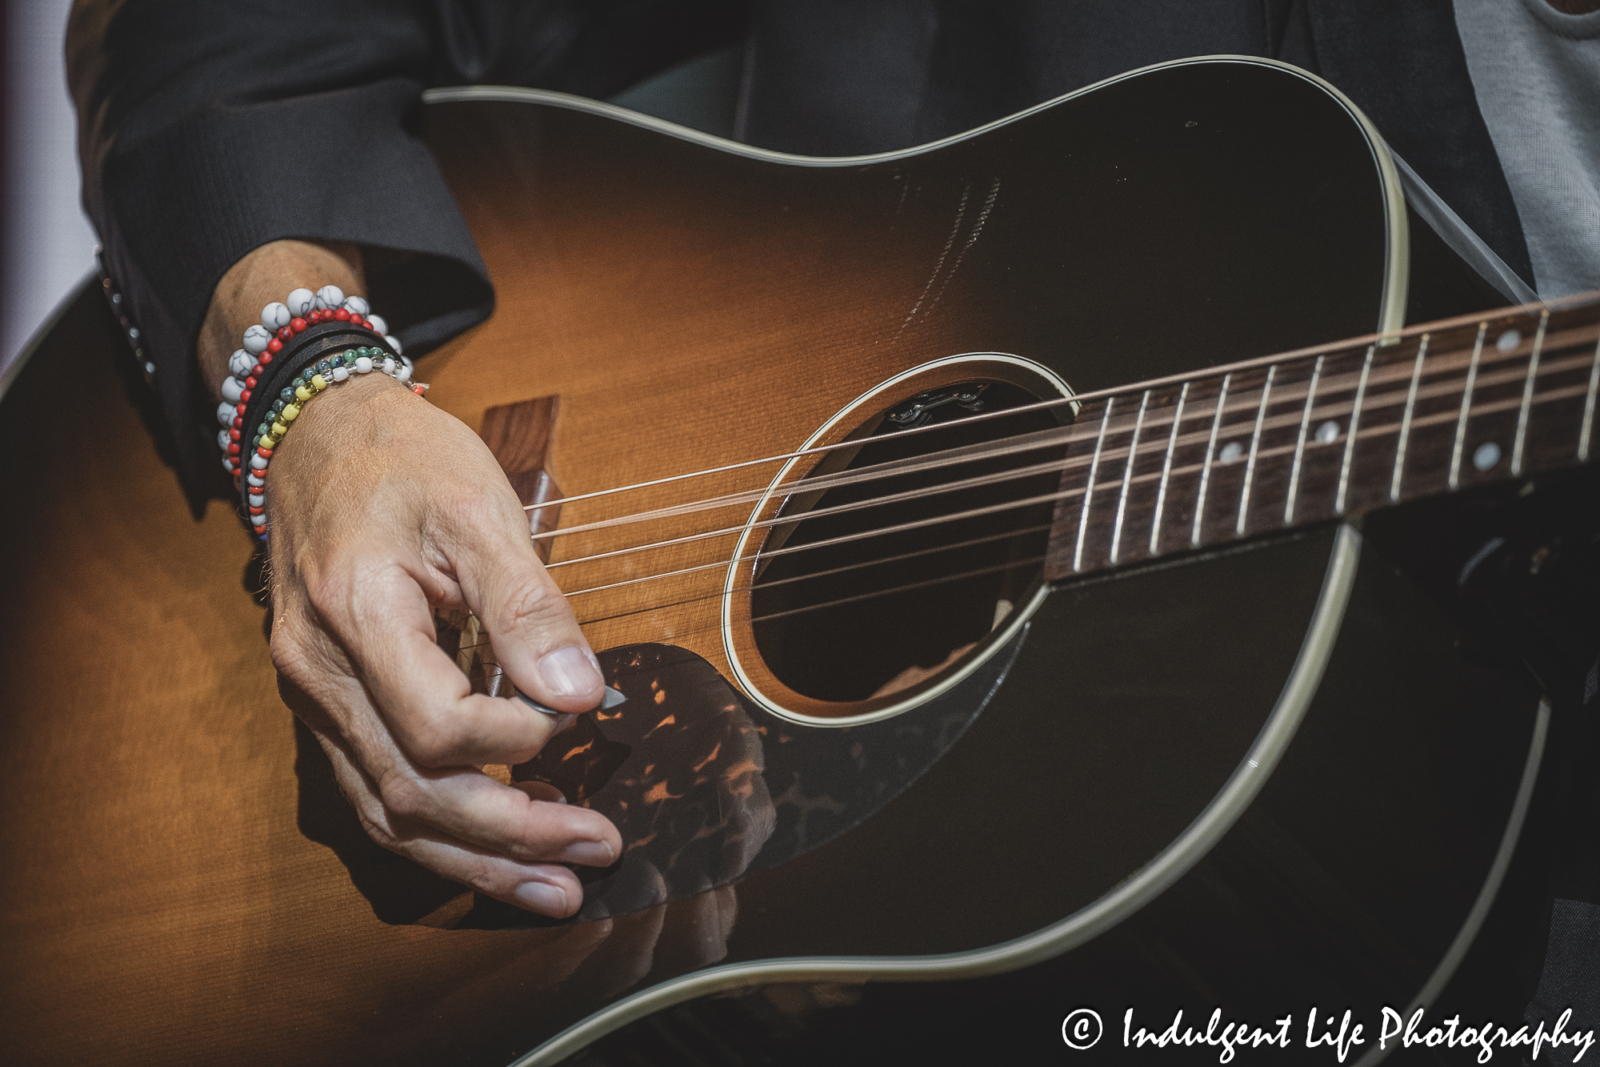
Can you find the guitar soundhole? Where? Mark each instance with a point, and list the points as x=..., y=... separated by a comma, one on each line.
x=851, y=605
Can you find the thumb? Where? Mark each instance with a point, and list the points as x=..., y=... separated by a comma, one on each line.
x=531, y=627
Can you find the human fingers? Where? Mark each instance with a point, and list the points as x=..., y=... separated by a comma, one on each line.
x=360, y=558
x=468, y=805
x=461, y=803
x=541, y=791
x=547, y=888
x=380, y=614
x=531, y=626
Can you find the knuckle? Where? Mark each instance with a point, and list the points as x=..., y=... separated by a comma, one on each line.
x=293, y=650
x=480, y=878
x=477, y=503
x=300, y=636
x=377, y=829
x=288, y=658
x=472, y=511
x=403, y=797
x=339, y=578
x=533, y=604
x=329, y=592
x=434, y=741
x=321, y=580
x=309, y=670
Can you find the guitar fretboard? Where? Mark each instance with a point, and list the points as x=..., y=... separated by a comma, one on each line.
x=1332, y=432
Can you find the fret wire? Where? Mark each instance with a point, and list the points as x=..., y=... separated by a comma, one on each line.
x=1300, y=443
x=1588, y=406
x=1205, y=468
x=1527, y=396
x=1466, y=407
x=1166, y=465
x=1350, y=438
x=1255, y=446
x=1573, y=362
x=1561, y=365
x=1088, y=489
x=1074, y=401
x=1127, y=477
x=1463, y=354
x=1550, y=396
x=1405, y=422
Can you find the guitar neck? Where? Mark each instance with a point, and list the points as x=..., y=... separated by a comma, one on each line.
x=1271, y=444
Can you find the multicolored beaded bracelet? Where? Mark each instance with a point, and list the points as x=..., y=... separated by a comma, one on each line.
x=292, y=399
x=280, y=324
x=306, y=338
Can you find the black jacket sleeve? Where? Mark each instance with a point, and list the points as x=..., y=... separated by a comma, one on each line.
x=207, y=129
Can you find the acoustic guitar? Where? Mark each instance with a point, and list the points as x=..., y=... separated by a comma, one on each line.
x=948, y=652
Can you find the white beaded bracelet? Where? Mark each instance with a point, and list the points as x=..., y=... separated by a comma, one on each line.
x=279, y=324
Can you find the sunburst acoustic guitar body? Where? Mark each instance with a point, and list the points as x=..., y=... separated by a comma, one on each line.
x=847, y=755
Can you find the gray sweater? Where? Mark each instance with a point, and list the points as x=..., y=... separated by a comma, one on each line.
x=1537, y=75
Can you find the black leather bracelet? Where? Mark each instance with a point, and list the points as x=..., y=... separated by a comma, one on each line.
x=309, y=347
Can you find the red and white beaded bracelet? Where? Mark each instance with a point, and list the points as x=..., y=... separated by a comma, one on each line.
x=280, y=323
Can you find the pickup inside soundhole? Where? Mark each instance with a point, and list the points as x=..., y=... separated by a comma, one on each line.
x=852, y=604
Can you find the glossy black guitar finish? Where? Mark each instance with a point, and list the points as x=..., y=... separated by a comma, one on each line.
x=1257, y=774
x=1343, y=885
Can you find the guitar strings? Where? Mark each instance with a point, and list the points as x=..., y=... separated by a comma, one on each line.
x=1373, y=432
x=1052, y=439
x=792, y=549
x=1005, y=446
x=876, y=532
x=1066, y=435
x=1041, y=405
x=1349, y=348
x=819, y=574
x=1547, y=396
x=484, y=639
x=979, y=481
x=1392, y=372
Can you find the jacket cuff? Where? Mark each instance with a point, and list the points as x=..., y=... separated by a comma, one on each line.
x=234, y=178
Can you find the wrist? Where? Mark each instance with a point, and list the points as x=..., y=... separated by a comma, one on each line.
x=258, y=279
x=347, y=446
x=320, y=357
x=351, y=418
x=294, y=351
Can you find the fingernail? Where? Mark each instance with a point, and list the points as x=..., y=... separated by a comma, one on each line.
x=589, y=853
x=541, y=896
x=570, y=671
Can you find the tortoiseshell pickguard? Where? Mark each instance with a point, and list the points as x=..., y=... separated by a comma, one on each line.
x=705, y=786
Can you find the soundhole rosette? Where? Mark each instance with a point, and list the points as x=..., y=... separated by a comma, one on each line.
x=829, y=622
